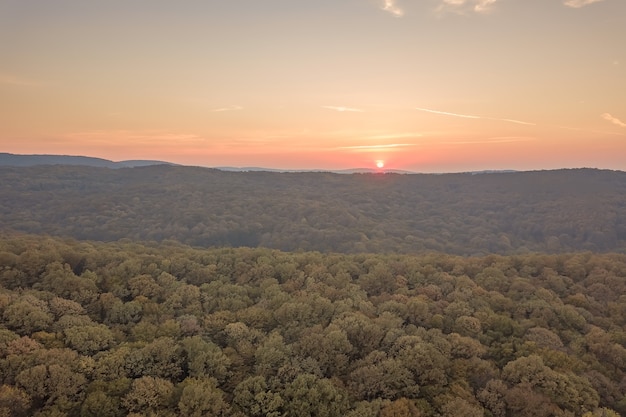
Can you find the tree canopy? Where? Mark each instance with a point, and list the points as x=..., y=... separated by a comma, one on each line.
x=124, y=328
x=464, y=214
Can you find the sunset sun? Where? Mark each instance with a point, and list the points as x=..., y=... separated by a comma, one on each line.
x=380, y=164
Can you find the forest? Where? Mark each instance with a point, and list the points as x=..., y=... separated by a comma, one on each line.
x=464, y=214
x=181, y=291
x=164, y=329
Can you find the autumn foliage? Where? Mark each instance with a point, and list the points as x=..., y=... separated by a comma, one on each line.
x=116, y=329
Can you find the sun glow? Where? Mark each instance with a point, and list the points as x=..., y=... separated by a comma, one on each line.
x=380, y=164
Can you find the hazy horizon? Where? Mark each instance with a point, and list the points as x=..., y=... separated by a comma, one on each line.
x=355, y=169
x=423, y=86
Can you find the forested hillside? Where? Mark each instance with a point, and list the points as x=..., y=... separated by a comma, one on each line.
x=9, y=159
x=95, y=329
x=465, y=214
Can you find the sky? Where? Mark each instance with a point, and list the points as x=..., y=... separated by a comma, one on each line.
x=419, y=85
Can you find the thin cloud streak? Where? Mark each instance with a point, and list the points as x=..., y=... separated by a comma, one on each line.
x=445, y=113
x=519, y=122
x=229, y=108
x=614, y=120
x=483, y=6
x=396, y=136
x=577, y=4
x=391, y=7
x=469, y=116
x=343, y=109
x=503, y=139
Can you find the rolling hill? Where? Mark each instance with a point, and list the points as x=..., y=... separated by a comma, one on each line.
x=466, y=214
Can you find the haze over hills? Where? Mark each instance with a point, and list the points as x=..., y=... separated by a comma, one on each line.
x=8, y=159
x=335, y=171
x=466, y=214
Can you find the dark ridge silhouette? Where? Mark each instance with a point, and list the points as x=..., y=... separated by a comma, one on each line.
x=8, y=159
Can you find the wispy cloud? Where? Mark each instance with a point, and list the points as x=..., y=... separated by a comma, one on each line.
x=463, y=6
x=614, y=120
x=483, y=6
x=342, y=109
x=465, y=116
x=500, y=139
x=577, y=4
x=390, y=6
x=395, y=136
x=519, y=122
x=229, y=108
x=469, y=116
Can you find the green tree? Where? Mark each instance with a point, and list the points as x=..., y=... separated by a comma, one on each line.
x=368, y=408
x=200, y=397
x=461, y=407
x=565, y=390
x=601, y=412
x=205, y=359
x=378, y=376
x=401, y=407
x=362, y=333
x=160, y=358
x=310, y=396
x=330, y=348
x=27, y=315
x=14, y=402
x=149, y=394
x=492, y=397
x=253, y=397
x=52, y=384
x=271, y=355
x=99, y=404
x=427, y=362
x=61, y=281
x=89, y=339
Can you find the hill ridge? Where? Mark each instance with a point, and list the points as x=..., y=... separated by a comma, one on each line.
x=458, y=213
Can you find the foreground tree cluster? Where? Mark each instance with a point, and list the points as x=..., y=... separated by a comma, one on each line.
x=464, y=214
x=117, y=329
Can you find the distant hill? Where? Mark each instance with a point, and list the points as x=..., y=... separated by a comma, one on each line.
x=15, y=160
x=334, y=171
x=373, y=171
x=466, y=214
x=8, y=159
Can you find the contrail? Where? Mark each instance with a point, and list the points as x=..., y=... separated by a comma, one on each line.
x=465, y=116
x=469, y=116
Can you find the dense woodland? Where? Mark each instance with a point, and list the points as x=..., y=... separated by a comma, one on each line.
x=259, y=294
x=163, y=329
x=464, y=214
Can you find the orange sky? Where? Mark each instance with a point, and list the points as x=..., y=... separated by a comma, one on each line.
x=428, y=86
